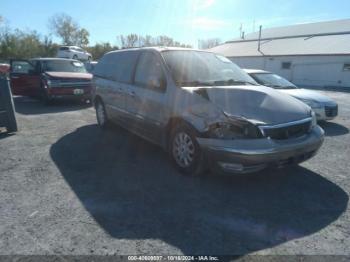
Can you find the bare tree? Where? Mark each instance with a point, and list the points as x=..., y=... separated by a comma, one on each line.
x=208, y=43
x=63, y=26
x=129, y=41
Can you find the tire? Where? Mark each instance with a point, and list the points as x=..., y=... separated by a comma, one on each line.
x=89, y=59
x=185, y=152
x=101, y=114
x=75, y=57
x=44, y=97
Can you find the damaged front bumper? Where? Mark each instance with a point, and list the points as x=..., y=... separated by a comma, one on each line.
x=251, y=155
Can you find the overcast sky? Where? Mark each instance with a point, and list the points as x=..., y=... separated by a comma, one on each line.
x=184, y=20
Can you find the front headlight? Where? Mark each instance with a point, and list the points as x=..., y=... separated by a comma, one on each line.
x=314, y=119
x=311, y=103
x=234, y=130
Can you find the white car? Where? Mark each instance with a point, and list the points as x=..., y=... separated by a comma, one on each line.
x=74, y=52
x=324, y=107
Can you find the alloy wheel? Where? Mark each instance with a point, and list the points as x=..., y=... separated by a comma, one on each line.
x=183, y=149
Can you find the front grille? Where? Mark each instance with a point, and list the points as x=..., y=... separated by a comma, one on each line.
x=70, y=83
x=331, y=111
x=288, y=130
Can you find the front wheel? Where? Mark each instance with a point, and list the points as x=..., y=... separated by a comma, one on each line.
x=101, y=114
x=75, y=57
x=185, y=152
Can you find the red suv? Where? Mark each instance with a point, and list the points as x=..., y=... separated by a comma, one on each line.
x=50, y=78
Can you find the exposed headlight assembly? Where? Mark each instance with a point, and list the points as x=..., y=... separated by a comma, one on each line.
x=237, y=129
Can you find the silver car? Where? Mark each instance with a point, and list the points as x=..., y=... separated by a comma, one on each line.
x=324, y=107
x=204, y=110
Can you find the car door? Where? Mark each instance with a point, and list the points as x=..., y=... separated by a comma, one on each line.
x=145, y=99
x=25, y=78
x=117, y=69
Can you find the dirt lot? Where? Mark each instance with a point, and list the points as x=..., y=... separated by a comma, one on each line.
x=66, y=187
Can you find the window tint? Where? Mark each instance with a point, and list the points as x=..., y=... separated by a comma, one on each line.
x=21, y=67
x=63, y=66
x=148, y=69
x=64, y=48
x=118, y=66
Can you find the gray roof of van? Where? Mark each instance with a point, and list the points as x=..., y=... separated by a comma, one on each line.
x=157, y=48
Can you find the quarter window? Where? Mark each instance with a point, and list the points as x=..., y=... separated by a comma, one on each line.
x=117, y=66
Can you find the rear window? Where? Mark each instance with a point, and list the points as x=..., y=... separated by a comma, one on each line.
x=63, y=66
x=118, y=66
x=64, y=48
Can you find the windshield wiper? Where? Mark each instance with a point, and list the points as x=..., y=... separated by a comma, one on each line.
x=194, y=83
x=233, y=82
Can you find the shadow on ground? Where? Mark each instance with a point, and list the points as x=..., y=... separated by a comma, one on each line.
x=4, y=134
x=334, y=129
x=132, y=191
x=31, y=106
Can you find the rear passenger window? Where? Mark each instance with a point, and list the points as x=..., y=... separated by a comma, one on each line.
x=117, y=66
x=148, y=69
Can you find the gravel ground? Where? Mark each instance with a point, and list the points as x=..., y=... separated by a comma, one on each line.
x=67, y=187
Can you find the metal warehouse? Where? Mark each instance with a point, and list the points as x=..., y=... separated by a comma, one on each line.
x=315, y=54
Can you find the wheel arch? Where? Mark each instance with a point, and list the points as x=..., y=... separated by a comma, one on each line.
x=172, y=124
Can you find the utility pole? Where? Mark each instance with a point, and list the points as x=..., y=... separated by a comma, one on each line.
x=240, y=31
x=259, y=42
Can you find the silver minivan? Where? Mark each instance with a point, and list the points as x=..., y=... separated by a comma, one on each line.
x=203, y=109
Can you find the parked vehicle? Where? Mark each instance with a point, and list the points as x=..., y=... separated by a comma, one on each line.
x=4, y=69
x=324, y=107
x=74, y=52
x=203, y=109
x=7, y=109
x=50, y=78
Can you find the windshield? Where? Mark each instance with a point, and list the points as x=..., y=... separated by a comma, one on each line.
x=195, y=68
x=273, y=80
x=63, y=66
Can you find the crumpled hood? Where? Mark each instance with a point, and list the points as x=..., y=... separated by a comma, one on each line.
x=301, y=93
x=257, y=103
x=72, y=75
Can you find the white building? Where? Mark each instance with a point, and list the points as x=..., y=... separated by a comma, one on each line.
x=315, y=54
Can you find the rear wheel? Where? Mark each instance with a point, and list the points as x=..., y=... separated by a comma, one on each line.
x=185, y=152
x=101, y=114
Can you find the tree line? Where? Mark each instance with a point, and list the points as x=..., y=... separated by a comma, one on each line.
x=20, y=44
